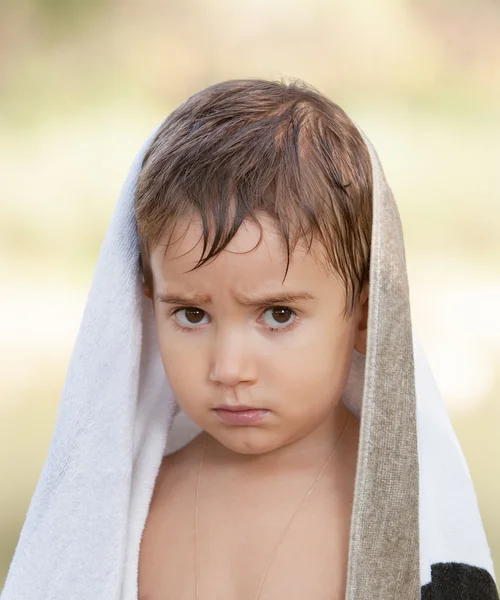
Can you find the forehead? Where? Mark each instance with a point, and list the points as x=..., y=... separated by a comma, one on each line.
x=244, y=264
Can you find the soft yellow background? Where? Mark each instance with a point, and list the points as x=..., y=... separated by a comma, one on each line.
x=83, y=84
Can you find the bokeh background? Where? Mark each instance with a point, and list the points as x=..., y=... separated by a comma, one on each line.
x=82, y=84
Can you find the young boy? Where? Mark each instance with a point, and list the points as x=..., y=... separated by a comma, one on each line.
x=257, y=360
x=247, y=414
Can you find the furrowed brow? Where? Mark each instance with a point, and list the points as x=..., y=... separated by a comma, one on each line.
x=184, y=299
x=279, y=298
x=253, y=300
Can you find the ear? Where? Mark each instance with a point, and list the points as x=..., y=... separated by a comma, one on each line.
x=147, y=290
x=362, y=321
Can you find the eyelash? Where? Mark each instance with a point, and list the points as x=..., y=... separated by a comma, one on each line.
x=272, y=329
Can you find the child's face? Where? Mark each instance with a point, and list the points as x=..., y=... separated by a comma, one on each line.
x=228, y=353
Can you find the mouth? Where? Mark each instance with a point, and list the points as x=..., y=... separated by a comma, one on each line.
x=240, y=415
x=237, y=408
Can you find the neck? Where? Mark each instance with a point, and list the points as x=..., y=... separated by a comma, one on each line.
x=298, y=455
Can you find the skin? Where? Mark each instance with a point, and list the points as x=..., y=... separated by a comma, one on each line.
x=254, y=477
x=229, y=354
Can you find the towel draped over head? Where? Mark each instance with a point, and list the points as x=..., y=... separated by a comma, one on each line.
x=416, y=530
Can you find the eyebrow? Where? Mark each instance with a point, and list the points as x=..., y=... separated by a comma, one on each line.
x=198, y=299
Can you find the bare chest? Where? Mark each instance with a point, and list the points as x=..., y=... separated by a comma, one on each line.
x=239, y=540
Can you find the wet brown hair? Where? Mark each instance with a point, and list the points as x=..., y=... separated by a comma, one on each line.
x=244, y=146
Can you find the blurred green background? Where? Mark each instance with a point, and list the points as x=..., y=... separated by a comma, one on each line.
x=83, y=83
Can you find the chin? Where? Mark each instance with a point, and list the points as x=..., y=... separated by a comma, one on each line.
x=247, y=440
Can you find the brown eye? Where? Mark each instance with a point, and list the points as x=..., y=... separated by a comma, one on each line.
x=281, y=315
x=194, y=315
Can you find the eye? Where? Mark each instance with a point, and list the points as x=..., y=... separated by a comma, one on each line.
x=193, y=316
x=281, y=315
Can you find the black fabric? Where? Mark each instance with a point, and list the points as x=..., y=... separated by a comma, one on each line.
x=458, y=581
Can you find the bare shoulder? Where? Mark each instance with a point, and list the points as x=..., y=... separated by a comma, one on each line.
x=169, y=518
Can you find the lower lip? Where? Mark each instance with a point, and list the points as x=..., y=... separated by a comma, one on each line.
x=241, y=417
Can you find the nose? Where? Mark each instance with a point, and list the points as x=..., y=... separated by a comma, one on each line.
x=232, y=359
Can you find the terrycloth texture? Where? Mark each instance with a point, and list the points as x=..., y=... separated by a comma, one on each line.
x=415, y=509
x=384, y=531
x=456, y=581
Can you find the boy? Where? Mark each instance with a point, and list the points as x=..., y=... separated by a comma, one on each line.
x=323, y=464
x=259, y=365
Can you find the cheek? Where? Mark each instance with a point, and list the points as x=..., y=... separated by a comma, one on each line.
x=318, y=372
x=180, y=362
